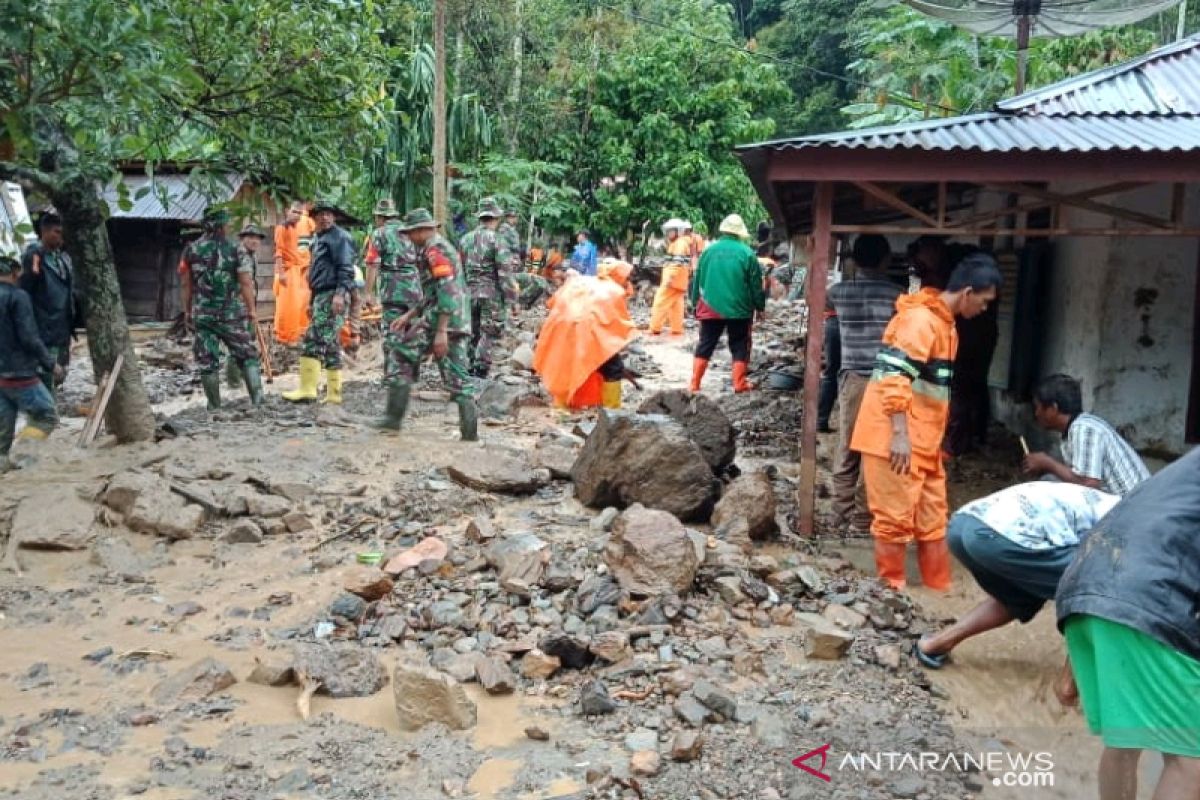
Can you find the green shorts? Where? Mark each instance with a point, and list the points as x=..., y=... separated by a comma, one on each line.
x=1137, y=693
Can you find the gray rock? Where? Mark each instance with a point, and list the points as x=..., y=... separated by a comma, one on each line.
x=537, y=734
x=646, y=762
x=650, y=553
x=160, y=512
x=594, y=699
x=297, y=522
x=519, y=557
x=715, y=698
x=522, y=357
x=603, y=522
x=444, y=614
x=909, y=786
x=537, y=665
x=823, y=639
x=495, y=676
x=496, y=471
x=272, y=673
x=555, y=457
x=124, y=489
x=116, y=556
x=391, y=627
x=344, y=670
x=369, y=583
x=648, y=459
x=595, y=591
x=423, y=696
x=706, y=423
x=243, y=531
x=752, y=498
x=844, y=617
x=461, y=666
x=770, y=730
x=49, y=518
x=571, y=652
x=205, y=677
x=500, y=400
x=612, y=646
x=687, y=746
x=730, y=589
x=641, y=739
x=267, y=505
x=692, y=711
x=348, y=606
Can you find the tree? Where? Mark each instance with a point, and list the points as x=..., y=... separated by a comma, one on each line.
x=271, y=88
x=918, y=66
x=651, y=133
x=534, y=188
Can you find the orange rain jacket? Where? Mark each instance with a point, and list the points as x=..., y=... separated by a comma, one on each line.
x=912, y=376
x=588, y=324
x=292, y=254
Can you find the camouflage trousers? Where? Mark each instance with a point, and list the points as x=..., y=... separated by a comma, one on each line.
x=322, y=340
x=212, y=329
x=487, y=326
x=531, y=288
x=403, y=353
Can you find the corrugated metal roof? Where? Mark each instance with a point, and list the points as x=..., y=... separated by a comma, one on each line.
x=1003, y=133
x=1165, y=81
x=183, y=201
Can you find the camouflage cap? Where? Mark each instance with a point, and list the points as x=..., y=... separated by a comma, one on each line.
x=386, y=208
x=418, y=218
x=252, y=230
x=325, y=204
x=9, y=265
x=214, y=216
x=489, y=208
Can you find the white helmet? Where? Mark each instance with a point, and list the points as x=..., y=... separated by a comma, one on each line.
x=674, y=223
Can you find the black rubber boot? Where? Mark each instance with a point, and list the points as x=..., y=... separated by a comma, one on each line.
x=397, y=407
x=468, y=419
x=212, y=390
x=252, y=374
x=233, y=374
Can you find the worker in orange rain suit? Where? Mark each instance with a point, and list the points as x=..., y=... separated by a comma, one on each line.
x=579, y=346
x=671, y=298
x=902, y=421
x=293, y=251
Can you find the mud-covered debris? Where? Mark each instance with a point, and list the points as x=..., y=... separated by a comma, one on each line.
x=343, y=670
x=752, y=498
x=650, y=553
x=823, y=639
x=497, y=471
x=537, y=665
x=424, y=695
x=594, y=699
x=201, y=679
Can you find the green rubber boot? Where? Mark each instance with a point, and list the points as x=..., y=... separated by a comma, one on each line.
x=468, y=419
x=212, y=390
x=253, y=377
x=233, y=374
x=397, y=407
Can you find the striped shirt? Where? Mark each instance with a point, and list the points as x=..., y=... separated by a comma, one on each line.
x=1093, y=449
x=865, y=305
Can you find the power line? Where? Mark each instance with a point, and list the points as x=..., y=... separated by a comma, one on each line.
x=905, y=100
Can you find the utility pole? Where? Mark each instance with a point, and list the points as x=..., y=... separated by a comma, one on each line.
x=440, y=208
x=1025, y=11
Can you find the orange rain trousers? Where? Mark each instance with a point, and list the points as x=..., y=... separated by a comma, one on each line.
x=670, y=300
x=292, y=301
x=906, y=508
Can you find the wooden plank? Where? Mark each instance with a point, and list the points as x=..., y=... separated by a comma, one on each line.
x=1177, y=196
x=891, y=200
x=818, y=277
x=1083, y=203
x=1034, y=205
x=104, y=393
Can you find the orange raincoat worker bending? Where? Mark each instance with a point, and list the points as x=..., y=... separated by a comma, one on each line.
x=293, y=250
x=579, y=347
x=903, y=417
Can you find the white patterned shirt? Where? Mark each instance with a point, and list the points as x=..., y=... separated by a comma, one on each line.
x=1043, y=514
x=1093, y=449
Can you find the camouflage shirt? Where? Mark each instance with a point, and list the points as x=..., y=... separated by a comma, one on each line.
x=511, y=238
x=214, y=265
x=399, y=280
x=488, y=261
x=444, y=284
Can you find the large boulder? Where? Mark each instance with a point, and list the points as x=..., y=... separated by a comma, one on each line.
x=648, y=459
x=650, y=553
x=424, y=695
x=752, y=498
x=50, y=518
x=704, y=420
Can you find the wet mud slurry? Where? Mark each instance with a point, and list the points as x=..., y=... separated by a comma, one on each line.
x=86, y=640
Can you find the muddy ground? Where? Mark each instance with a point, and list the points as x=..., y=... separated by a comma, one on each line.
x=88, y=636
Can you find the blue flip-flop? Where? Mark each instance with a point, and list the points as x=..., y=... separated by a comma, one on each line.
x=929, y=660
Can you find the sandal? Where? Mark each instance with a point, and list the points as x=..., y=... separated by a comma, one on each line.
x=929, y=660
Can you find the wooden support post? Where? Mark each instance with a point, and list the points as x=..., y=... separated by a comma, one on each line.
x=941, y=209
x=818, y=277
x=440, y=208
x=1177, y=195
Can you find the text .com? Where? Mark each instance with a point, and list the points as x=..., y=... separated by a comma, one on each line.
x=1008, y=769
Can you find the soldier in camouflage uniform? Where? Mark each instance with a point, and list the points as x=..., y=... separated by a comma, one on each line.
x=531, y=288
x=443, y=325
x=218, y=294
x=489, y=261
x=331, y=280
x=508, y=229
x=250, y=238
x=392, y=257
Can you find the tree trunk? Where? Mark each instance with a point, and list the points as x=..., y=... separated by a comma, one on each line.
x=440, y=209
x=518, y=65
x=129, y=415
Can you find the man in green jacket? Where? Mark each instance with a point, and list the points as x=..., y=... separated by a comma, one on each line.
x=727, y=294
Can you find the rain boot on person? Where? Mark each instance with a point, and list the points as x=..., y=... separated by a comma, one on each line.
x=740, y=382
x=699, y=367
x=252, y=375
x=310, y=372
x=211, y=381
x=933, y=558
x=468, y=419
x=397, y=407
x=890, y=559
x=333, y=387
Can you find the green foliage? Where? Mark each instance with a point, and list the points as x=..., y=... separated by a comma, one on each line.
x=534, y=189
x=650, y=133
x=919, y=67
